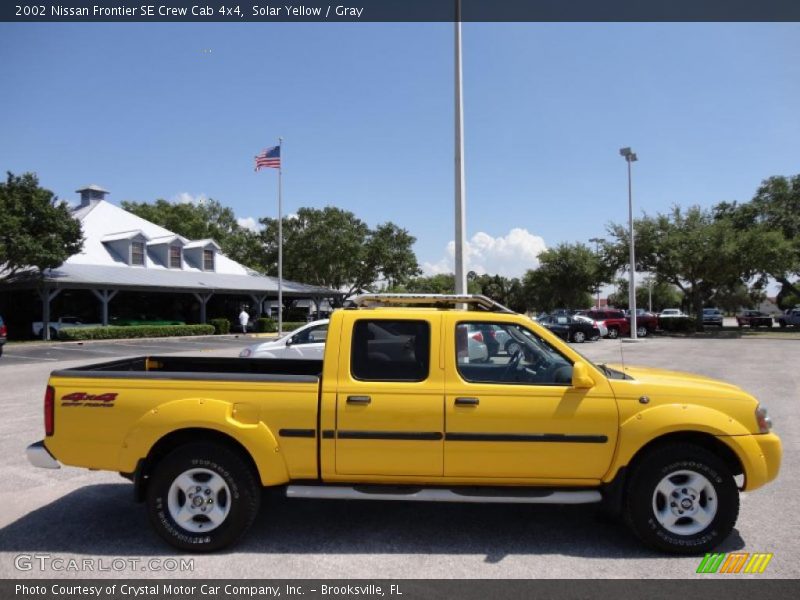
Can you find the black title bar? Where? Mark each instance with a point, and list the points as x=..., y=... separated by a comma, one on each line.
x=401, y=10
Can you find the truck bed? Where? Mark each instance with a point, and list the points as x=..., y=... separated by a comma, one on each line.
x=201, y=367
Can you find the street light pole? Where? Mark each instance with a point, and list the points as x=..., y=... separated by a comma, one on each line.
x=597, y=242
x=631, y=157
x=460, y=216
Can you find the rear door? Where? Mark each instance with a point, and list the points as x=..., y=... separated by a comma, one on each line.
x=390, y=400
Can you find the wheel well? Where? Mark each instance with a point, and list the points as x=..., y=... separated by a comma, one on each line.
x=173, y=440
x=704, y=440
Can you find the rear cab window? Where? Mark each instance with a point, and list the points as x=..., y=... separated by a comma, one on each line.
x=390, y=350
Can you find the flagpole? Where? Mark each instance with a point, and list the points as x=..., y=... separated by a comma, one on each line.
x=460, y=208
x=280, y=237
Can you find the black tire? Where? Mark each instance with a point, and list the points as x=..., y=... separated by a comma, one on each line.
x=578, y=337
x=241, y=481
x=613, y=333
x=641, y=331
x=641, y=496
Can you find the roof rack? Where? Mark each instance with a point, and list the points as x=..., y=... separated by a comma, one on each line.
x=437, y=300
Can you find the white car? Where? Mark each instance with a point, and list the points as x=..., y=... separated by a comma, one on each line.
x=306, y=342
x=671, y=312
x=601, y=325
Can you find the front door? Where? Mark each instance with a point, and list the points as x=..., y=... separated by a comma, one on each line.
x=517, y=416
x=389, y=404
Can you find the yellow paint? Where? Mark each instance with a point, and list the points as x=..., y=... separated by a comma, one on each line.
x=116, y=436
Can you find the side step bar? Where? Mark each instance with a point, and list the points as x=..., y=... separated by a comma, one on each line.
x=466, y=494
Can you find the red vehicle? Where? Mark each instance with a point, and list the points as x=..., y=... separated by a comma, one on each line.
x=753, y=319
x=646, y=323
x=614, y=319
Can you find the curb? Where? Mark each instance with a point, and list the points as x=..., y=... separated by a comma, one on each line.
x=141, y=339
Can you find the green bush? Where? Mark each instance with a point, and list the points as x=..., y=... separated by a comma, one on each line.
x=678, y=324
x=292, y=325
x=132, y=331
x=221, y=325
x=266, y=325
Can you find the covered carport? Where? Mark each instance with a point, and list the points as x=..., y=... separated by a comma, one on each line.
x=106, y=283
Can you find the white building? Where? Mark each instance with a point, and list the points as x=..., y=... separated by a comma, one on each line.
x=123, y=253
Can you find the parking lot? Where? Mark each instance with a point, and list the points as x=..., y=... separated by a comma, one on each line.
x=74, y=513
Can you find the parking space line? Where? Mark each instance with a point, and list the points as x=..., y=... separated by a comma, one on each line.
x=83, y=349
x=7, y=355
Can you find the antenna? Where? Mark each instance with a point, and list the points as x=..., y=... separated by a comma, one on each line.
x=622, y=355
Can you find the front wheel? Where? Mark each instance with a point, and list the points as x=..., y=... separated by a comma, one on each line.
x=202, y=497
x=579, y=337
x=682, y=499
x=613, y=333
x=641, y=331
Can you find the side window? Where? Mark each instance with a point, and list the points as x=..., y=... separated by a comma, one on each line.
x=515, y=355
x=312, y=335
x=390, y=350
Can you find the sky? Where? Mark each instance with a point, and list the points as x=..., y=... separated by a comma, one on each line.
x=366, y=110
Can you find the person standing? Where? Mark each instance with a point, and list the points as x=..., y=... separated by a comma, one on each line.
x=244, y=319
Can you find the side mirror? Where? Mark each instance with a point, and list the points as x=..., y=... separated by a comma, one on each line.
x=580, y=376
x=289, y=341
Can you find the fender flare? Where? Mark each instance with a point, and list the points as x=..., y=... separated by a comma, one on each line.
x=204, y=413
x=652, y=423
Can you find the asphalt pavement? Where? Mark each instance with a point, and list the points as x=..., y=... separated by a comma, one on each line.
x=80, y=515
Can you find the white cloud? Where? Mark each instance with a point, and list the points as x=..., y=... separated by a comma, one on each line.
x=510, y=255
x=187, y=198
x=249, y=223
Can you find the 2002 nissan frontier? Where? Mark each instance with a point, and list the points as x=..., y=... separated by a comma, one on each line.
x=397, y=411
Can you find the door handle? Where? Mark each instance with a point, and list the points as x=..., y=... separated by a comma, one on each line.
x=467, y=402
x=359, y=399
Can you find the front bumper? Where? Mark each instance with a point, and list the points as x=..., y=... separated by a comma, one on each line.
x=39, y=456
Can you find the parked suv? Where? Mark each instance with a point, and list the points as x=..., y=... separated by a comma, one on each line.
x=614, y=320
x=3, y=334
x=712, y=316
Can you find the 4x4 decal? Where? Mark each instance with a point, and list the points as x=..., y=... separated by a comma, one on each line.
x=84, y=399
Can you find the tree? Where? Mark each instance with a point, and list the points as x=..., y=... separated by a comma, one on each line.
x=508, y=292
x=37, y=230
x=775, y=207
x=566, y=277
x=698, y=251
x=201, y=220
x=331, y=247
x=664, y=295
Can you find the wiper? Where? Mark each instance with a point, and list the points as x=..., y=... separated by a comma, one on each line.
x=605, y=369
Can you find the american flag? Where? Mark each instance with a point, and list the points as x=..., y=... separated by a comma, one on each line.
x=269, y=158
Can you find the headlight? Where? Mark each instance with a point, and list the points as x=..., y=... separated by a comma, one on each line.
x=764, y=422
x=245, y=353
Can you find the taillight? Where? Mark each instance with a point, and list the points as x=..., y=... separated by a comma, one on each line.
x=3, y=330
x=477, y=336
x=49, y=413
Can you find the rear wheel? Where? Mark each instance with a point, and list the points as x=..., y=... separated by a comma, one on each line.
x=202, y=497
x=613, y=333
x=641, y=331
x=681, y=499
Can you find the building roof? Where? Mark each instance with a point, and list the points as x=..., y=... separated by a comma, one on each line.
x=123, y=235
x=187, y=280
x=93, y=188
x=202, y=244
x=98, y=265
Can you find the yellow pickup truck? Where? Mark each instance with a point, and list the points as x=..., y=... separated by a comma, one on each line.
x=400, y=409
